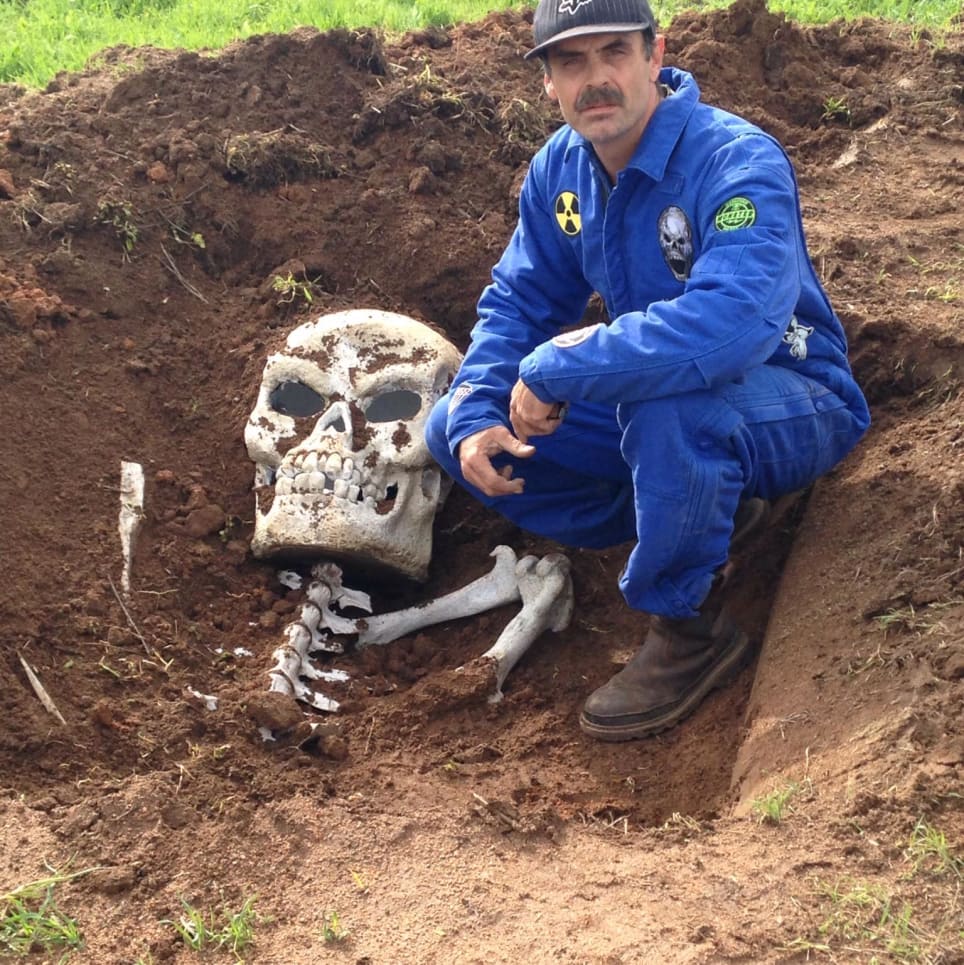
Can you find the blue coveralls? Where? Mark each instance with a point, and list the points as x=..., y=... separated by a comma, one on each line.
x=722, y=373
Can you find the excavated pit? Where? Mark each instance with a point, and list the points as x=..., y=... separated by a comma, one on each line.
x=148, y=207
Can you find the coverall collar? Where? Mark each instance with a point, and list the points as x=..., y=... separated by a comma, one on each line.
x=664, y=129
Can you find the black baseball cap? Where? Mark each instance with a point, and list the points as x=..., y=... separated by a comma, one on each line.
x=557, y=20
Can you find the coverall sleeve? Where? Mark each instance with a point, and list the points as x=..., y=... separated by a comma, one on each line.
x=537, y=288
x=732, y=313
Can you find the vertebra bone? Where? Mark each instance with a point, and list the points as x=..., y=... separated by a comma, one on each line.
x=305, y=635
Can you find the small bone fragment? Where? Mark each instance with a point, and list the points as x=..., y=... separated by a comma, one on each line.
x=289, y=579
x=547, y=604
x=131, y=515
x=38, y=689
x=495, y=589
x=208, y=701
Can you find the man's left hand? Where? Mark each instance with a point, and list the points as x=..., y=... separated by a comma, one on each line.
x=530, y=416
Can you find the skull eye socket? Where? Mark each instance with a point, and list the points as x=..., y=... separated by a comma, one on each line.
x=393, y=405
x=296, y=399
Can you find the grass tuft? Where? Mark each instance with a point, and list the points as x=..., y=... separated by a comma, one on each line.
x=332, y=930
x=773, y=807
x=929, y=850
x=31, y=921
x=863, y=920
x=231, y=930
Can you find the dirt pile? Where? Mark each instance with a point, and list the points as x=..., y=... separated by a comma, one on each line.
x=165, y=219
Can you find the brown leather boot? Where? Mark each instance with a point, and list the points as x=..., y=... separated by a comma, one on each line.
x=679, y=663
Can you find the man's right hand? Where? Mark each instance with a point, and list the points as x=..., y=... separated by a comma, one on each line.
x=475, y=456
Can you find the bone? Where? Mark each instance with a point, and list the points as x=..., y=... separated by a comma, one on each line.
x=496, y=588
x=547, y=604
x=292, y=663
x=40, y=690
x=305, y=635
x=327, y=588
x=131, y=516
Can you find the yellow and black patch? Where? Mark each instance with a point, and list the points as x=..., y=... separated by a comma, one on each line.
x=735, y=213
x=567, y=213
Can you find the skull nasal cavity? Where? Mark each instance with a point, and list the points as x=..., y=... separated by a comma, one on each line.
x=336, y=417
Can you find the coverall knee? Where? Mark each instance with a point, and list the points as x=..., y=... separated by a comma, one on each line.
x=578, y=489
x=671, y=472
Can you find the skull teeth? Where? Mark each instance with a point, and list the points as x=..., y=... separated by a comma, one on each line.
x=314, y=473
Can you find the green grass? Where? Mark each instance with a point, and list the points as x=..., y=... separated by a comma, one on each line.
x=231, y=930
x=863, y=920
x=30, y=920
x=332, y=929
x=773, y=807
x=42, y=37
x=929, y=850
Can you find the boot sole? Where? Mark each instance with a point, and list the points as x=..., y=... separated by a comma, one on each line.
x=718, y=676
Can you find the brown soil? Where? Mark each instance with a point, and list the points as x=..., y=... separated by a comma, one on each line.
x=438, y=827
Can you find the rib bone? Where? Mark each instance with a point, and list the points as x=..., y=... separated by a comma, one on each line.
x=496, y=588
x=547, y=604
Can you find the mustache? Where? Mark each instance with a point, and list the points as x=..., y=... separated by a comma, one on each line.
x=598, y=96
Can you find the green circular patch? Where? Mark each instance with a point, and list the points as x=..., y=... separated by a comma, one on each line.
x=735, y=213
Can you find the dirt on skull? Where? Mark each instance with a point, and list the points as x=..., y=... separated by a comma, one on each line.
x=165, y=219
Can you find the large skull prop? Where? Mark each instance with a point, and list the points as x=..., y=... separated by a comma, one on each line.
x=337, y=437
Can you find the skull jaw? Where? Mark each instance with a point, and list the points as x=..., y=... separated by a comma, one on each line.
x=312, y=526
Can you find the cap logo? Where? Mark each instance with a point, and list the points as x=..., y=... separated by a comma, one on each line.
x=571, y=6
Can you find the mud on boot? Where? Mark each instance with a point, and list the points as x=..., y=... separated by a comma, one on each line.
x=679, y=663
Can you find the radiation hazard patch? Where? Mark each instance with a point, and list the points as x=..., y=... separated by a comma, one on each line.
x=567, y=213
x=735, y=213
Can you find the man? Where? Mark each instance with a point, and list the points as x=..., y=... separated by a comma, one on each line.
x=719, y=382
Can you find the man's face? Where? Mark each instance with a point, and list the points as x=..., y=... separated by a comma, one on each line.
x=605, y=86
